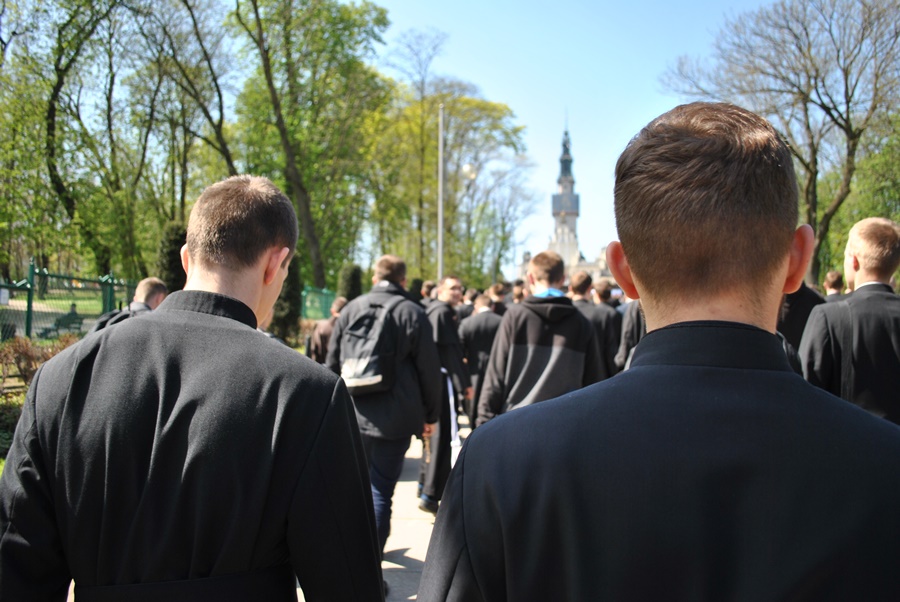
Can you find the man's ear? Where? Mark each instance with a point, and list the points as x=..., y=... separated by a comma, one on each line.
x=185, y=260
x=274, y=262
x=802, y=245
x=621, y=271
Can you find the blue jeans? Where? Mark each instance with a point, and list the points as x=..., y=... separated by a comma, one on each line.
x=385, y=459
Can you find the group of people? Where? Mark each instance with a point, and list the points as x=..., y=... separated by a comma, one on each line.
x=182, y=455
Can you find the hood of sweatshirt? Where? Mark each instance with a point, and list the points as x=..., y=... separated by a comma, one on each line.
x=551, y=309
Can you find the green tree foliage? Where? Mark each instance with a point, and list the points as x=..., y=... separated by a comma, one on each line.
x=350, y=282
x=115, y=115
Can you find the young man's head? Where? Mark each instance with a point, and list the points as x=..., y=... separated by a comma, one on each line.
x=236, y=220
x=428, y=289
x=547, y=270
x=580, y=283
x=337, y=305
x=390, y=268
x=873, y=251
x=834, y=282
x=450, y=290
x=151, y=291
x=241, y=236
x=482, y=302
x=706, y=207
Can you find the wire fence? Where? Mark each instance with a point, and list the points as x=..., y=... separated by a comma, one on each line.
x=317, y=303
x=46, y=305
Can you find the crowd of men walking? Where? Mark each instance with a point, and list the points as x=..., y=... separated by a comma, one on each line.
x=728, y=434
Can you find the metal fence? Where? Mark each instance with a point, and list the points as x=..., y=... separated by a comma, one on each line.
x=47, y=305
x=317, y=303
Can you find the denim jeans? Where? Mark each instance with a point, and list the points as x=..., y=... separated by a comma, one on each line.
x=385, y=459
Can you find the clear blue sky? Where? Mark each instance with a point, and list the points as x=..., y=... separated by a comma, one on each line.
x=598, y=61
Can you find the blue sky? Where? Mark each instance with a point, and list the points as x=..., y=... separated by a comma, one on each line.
x=600, y=62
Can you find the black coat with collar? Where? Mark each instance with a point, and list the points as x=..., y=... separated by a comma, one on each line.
x=183, y=446
x=708, y=471
x=868, y=322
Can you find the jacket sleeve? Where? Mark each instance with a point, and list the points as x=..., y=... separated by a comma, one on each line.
x=32, y=563
x=428, y=367
x=493, y=391
x=331, y=536
x=594, y=363
x=333, y=357
x=817, y=353
x=449, y=573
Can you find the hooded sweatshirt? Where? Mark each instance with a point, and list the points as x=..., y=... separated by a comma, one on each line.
x=545, y=348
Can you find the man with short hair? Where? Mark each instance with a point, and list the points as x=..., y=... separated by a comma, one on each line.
x=387, y=419
x=435, y=465
x=851, y=348
x=544, y=347
x=148, y=294
x=476, y=334
x=709, y=470
x=222, y=466
x=607, y=322
x=834, y=286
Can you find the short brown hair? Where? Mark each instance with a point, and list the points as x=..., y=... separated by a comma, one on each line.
x=148, y=288
x=390, y=268
x=547, y=267
x=876, y=243
x=482, y=301
x=604, y=288
x=833, y=279
x=234, y=221
x=705, y=200
x=580, y=283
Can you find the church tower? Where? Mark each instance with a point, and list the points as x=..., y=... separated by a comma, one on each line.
x=565, y=210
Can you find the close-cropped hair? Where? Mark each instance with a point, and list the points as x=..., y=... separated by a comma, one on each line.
x=547, y=267
x=482, y=301
x=834, y=280
x=148, y=288
x=876, y=243
x=705, y=201
x=338, y=304
x=390, y=268
x=580, y=283
x=234, y=221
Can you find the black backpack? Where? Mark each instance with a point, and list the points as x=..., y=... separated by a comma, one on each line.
x=368, y=350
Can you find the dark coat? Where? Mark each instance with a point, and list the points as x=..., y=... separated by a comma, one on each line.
x=867, y=324
x=633, y=330
x=795, y=310
x=709, y=471
x=445, y=324
x=181, y=446
x=476, y=334
x=607, y=323
x=416, y=396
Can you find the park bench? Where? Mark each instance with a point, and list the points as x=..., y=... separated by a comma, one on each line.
x=70, y=322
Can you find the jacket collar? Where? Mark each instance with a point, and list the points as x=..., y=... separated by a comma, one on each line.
x=712, y=344
x=209, y=303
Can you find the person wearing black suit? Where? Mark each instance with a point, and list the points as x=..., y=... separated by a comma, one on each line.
x=633, y=330
x=851, y=348
x=221, y=466
x=607, y=322
x=795, y=310
x=476, y=334
x=709, y=470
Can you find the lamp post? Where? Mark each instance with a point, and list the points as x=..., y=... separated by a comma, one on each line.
x=440, y=232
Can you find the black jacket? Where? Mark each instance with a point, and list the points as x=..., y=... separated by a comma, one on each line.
x=416, y=396
x=864, y=330
x=607, y=323
x=708, y=471
x=544, y=348
x=191, y=454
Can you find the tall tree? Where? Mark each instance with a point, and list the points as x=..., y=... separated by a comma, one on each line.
x=824, y=71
